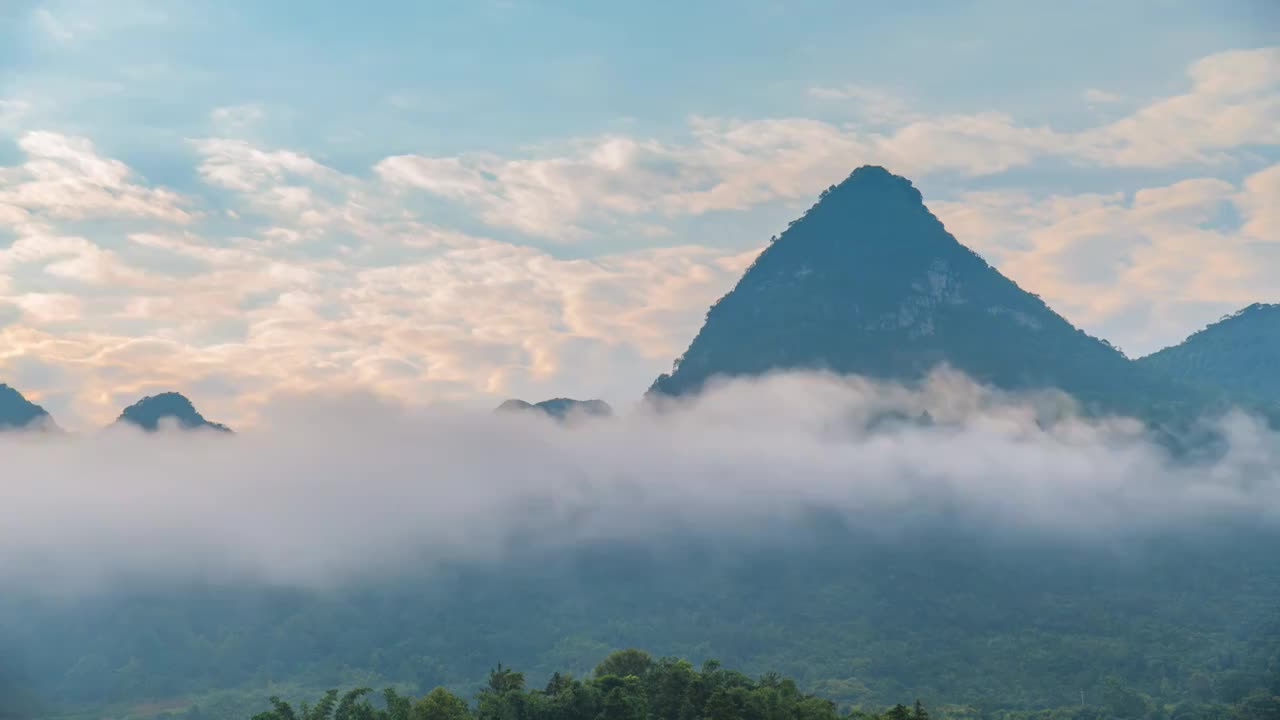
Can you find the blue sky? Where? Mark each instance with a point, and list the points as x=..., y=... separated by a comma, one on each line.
x=462, y=201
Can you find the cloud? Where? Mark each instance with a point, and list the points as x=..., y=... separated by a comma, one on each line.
x=308, y=199
x=56, y=28
x=236, y=118
x=873, y=104
x=238, y=165
x=344, y=485
x=548, y=197
x=345, y=278
x=1234, y=101
x=445, y=317
x=1135, y=265
x=1257, y=201
x=68, y=257
x=563, y=197
x=1237, y=72
x=978, y=144
x=564, y=193
x=49, y=307
x=69, y=22
x=1096, y=96
x=12, y=112
x=64, y=177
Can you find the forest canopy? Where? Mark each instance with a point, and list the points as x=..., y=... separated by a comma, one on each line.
x=630, y=685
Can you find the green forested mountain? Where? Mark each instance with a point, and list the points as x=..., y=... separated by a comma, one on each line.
x=559, y=408
x=16, y=412
x=149, y=412
x=864, y=618
x=869, y=282
x=630, y=685
x=626, y=685
x=1238, y=355
x=1179, y=623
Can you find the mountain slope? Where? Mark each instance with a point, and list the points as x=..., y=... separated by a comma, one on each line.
x=149, y=412
x=861, y=617
x=18, y=413
x=869, y=282
x=1237, y=355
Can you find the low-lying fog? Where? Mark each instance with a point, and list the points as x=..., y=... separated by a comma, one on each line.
x=331, y=487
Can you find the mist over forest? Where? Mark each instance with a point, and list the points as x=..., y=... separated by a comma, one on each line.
x=367, y=487
x=717, y=360
x=377, y=543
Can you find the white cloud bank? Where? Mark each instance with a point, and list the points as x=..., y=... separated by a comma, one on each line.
x=344, y=486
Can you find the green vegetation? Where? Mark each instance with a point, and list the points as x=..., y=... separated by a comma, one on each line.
x=148, y=413
x=977, y=622
x=17, y=412
x=630, y=685
x=869, y=282
x=999, y=624
x=1237, y=355
x=627, y=685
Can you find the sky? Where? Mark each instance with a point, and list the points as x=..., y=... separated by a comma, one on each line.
x=459, y=202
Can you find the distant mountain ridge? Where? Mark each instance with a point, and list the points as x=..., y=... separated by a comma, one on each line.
x=559, y=408
x=1239, y=355
x=869, y=282
x=149, y=412
x=19, y=413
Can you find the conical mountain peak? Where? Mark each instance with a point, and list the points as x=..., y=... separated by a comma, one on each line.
x=875, y=179
x=875, y=173
x=871, y=218
x=869, y=282
x=150, y=412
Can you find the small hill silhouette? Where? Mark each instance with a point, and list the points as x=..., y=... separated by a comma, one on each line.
x=149, y=412
x=559, y=408
x=18, y=413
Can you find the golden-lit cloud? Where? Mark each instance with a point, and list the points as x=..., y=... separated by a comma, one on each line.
x=448, y=278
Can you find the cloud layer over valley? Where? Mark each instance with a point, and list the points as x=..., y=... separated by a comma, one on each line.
x=347, y=485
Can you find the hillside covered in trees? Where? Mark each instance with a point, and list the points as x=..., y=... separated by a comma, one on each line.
x=1238, y=356
x=861, y=618
x=631, y=685
x=869, y=282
